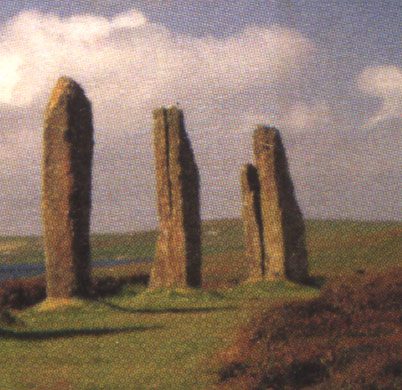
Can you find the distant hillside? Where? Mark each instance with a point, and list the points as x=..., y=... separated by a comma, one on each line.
x=334, y=246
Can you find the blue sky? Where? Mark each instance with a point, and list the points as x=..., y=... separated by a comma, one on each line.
x=327, y=74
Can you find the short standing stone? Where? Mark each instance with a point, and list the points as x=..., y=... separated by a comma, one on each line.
x=283, y=227
x=252, y=224
x=66, y=190
x=178, y=250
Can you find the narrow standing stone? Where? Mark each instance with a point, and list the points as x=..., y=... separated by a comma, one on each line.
x=66, y=190
x=252, y=224
x=178, y=250
x=283, y=226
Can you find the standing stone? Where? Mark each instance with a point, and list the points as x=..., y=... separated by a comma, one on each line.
x=178, y=250
x=66, y=190
x=283, y=226
x=252, y=224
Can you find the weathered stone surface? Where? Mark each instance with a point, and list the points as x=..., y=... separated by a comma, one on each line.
x=178, y=251
x=66, y=189
x=283, y=227
x=252, y=224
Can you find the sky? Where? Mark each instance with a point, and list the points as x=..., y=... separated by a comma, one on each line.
x=326, y=73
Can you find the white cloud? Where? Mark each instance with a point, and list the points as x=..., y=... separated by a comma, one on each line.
x=305, y=116
x=9, y=75
x=131, y=60
x=381, y=80
x=130, y=19
x=384, y=82
x=47, y=46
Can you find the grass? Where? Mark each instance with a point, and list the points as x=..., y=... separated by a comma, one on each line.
x=116, y=343
x=339, y=247
x=157, y=341
x=165, y=339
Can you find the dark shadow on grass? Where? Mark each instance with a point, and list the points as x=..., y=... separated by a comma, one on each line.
x=169, y=309
x=65, y=333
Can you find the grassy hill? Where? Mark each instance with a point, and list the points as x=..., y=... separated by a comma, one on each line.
x=166, y=340
x=334, y=246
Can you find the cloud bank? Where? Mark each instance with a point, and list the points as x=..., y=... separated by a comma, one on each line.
x=384, y=83
x=129, y=60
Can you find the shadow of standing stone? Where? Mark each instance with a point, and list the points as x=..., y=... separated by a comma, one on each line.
x=178, y=249
x=66, y=190
x=252, y=223
x=283, y=226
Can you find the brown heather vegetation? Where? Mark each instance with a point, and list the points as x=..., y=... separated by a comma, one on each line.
x=350, y=338
x=23, y=293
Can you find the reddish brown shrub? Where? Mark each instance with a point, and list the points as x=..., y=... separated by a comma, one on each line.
x=140, y=278
x=110, y=285
x=349, y=338
x=366, y=292
x=22, y=293
x=105, y=286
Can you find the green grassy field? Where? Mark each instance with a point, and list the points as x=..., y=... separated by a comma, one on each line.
x=167, y=340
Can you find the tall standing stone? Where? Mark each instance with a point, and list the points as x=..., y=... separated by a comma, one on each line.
x=178, y=250
x=252, y=223
x=66, y=189
x=283, y=226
